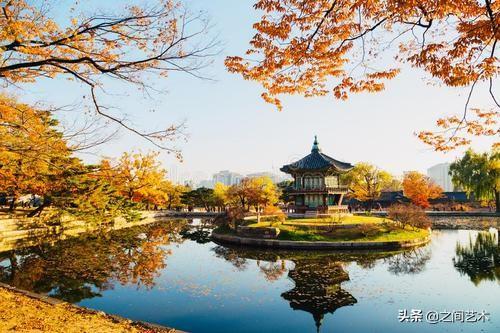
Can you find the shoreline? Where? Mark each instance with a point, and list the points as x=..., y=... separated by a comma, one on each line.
x=435, y=213
x=21, y=232
x=25, y=232
x=21, y=310
x=318, y=245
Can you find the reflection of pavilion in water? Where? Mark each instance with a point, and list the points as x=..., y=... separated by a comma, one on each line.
x=317, y=288
x=317, y=275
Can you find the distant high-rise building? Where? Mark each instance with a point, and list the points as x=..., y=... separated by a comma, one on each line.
x=205, y=183
x=227, y=177
x=276, y=178
x=173, y=174
x=439, y=173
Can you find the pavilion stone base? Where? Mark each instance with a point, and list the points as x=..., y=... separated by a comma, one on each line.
x=318, y=211
x=317, y=215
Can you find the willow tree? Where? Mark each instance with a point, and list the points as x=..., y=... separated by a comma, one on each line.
x=479, y=174
x=132, y=46
x=322, y=47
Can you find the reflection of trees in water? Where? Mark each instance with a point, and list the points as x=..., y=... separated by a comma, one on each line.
x=480, y=258
x=272, y=270
x=82, y=268
x=231, y=255
x=200, y=233
x=409, y=262
x=317, y=275
x=318, y=288
x=272, y=267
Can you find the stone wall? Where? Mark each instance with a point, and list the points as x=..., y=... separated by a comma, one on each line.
x=316, y=245
x=258, y=232
x=23, y=232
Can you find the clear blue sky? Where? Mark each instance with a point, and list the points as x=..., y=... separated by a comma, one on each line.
x=230, y=127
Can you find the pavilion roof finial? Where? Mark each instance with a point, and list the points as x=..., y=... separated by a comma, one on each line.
x=315, y=146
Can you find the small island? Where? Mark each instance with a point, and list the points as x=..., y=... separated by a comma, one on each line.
x=342, y=232
x=317, y=219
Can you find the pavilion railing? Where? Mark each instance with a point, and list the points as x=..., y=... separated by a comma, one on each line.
x=320, y=209
x=341, y=188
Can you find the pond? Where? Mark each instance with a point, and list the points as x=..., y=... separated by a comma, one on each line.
x=171, y=273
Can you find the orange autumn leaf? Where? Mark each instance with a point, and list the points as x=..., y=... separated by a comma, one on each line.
x=319, y=47
x=419, y=189
x=130, y=45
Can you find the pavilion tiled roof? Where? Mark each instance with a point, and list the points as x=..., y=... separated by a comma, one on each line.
x=316, y=160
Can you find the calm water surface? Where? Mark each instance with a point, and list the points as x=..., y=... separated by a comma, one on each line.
x=172, y=274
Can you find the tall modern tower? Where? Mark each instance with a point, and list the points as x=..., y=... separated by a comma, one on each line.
x=439, y=173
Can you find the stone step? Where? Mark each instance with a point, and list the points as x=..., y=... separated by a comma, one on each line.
x=311, y=213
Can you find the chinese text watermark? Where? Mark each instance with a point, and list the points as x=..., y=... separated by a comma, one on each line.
x=435, y=317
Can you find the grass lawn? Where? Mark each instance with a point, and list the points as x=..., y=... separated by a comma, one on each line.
x=372, y=229
x=355, y=219
x=378, y=234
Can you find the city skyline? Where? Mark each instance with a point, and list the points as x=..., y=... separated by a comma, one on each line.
x=438, y=173
x=226, y=177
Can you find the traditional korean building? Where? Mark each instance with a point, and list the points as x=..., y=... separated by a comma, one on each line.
x=317, y=186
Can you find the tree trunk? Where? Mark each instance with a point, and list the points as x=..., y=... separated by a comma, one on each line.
x=497, y=201
x=39, y=209
x=258, y=214
x=13, y=266
x=12, y=204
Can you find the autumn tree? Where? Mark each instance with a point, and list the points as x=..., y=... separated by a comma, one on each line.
x=479, y=174
x=174, y=195
x=34, y=157
x=367, y=181
x=394, y=185
x=238, y=194
x=221, y=196
x=258, y=192
x=130, y=46
x=420, y=188
x=336, y=47
x=262, y=193
x=137, y=176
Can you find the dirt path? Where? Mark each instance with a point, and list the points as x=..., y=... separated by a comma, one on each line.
x=20, y=312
